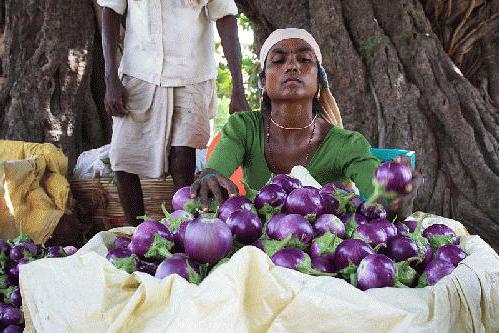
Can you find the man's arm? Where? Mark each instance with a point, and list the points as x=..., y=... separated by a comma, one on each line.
x=114, y=99
x=227, y=29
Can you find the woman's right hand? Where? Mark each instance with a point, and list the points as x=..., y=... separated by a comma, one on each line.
x=209, y=180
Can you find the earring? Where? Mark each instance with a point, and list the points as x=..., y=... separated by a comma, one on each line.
x=318, y=96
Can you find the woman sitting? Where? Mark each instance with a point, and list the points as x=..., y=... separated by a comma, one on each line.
x=299, y=124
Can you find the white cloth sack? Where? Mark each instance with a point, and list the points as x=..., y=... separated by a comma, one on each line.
x=85, y=293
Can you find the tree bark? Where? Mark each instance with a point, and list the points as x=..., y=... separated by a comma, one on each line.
x=48, y=67
x=395, y=84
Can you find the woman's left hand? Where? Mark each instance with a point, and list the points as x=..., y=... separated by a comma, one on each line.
x=402, y=206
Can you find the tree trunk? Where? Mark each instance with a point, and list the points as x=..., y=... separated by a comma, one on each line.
x=48, y=66
x=395, y=83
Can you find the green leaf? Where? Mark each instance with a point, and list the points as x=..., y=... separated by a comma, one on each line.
x=4, y=260
x=406, y=274
x=268, y=211
x=126, y=264
x=271, y=246
x=328, y=242
x=423, y=281
x=194, y=277
x=350, y=227
x=344, y=201
x=160, y=248
x=437, y=241
x=250, y=193
x=4, y=283
x=349, y=273
x=295, y=242
x=311, y=217
x=7, y=292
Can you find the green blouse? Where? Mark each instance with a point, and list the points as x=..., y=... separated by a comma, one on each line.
x=343, y=154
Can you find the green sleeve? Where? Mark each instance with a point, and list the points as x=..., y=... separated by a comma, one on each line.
x=359, y=164
x=230, y=149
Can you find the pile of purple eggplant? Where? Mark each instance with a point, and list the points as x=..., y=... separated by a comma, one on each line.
x=13, y=254
x=329, y=231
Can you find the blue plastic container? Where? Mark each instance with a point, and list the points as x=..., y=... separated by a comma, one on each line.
x=386, y=154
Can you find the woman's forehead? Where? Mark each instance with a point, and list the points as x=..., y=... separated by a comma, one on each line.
x=291, y=45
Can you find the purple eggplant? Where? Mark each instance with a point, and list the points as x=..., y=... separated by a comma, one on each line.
x=304, y=201
x=207, y=240
x=323, y=264
x=181, y=197
x=334, y=189
x=296, y=259
x=272, y=223
x=147, y=267
x=439, y=234
x=15, y=297
x=245, y=226
x=70, y=250
x=330, y=204
x=123, y=259
x=390, y=228
x=179, y=236
x=18, y=252
x=402, y=229
x=352, y=221
x=233, y=204
x=287, y=183
x=434, y=272
x=354, y=203
x=10, y=315
x=55, y=252
x=181, y=214
x=13, y=272
x=451, y=253
x=351, y=251
x=289, y=258
x=272, y=195
x=401, y=248
x=373, y=211
x=122, y=242
x=259, y=244
x=151, y=239
x=411, y=225
x=293, y=224
x=358, y=218
x=377, y=232
x=181, y=265
x=376, y=271
x=394, y=177
x=329, y=222
x=13, y=329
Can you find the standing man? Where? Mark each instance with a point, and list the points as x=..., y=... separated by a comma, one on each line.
x=163, y=95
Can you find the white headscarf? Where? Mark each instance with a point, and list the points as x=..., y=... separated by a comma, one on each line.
x=288, y=33
x=331, y=111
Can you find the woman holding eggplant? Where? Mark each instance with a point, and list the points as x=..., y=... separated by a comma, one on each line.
x=299, y=124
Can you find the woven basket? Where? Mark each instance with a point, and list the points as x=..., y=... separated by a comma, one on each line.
x=97, y=200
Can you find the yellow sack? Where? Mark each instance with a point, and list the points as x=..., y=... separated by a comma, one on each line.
x=86, y=293
x=33, y=189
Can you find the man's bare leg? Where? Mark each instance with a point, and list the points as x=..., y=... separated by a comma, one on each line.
x=182, y=165
x=131, y=197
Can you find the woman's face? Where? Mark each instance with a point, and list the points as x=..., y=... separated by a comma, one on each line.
x=291, y=71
